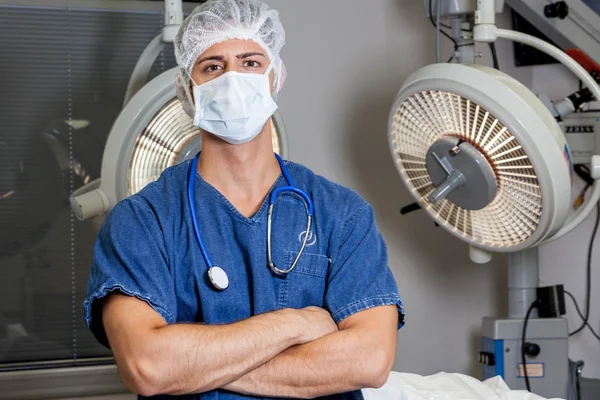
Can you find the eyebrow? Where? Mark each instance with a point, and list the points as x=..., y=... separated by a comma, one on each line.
x=222, y=58
x=246, y=55
x=210, y=58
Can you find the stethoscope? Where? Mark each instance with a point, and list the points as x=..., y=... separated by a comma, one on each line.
x=217, y=275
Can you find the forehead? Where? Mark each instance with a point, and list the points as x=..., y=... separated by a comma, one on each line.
x=233, y=47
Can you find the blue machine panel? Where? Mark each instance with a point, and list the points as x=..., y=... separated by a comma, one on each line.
x=493, y=364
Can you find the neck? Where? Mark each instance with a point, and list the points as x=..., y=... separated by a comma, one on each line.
x=243, y=173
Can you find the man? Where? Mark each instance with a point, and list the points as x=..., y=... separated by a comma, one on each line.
x=318, y=319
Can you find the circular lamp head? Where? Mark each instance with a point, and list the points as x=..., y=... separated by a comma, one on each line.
x=152, y=133
x=482, y=155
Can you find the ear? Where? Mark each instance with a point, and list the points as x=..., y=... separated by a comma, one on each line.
x=282, y=76
x=184, y=93
x=279, y=76
x=273, y=83
x=190, y=92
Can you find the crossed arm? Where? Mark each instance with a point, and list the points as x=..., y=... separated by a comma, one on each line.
x=285, y=353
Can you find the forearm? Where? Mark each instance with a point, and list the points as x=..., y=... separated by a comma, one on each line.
x=340, y=362
x=184, y=359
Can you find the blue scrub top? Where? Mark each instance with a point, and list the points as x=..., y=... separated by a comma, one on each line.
x=147, y=249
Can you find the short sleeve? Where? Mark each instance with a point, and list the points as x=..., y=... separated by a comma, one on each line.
x=360, y=277
x=129, y=258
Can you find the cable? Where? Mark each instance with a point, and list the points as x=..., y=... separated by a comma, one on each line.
x=583, y=172
x=576, y=307
x=448, y=26
x=523, y=337
x=581, y=316
x=456, y=48
x=438, y=25
x=438, y=29
x=494, y=55
x=575, y=368
x=435, y=26
x=588, y=288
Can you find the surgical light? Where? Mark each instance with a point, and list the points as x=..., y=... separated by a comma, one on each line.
x=488, y=162
x=151, y=133
x=480, y=123
x=483, y=155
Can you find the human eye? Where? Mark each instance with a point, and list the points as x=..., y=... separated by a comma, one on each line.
x=251, y=64
x=213, y=68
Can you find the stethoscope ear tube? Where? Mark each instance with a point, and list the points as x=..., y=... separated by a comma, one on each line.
x=283, y=272
x=217, y=275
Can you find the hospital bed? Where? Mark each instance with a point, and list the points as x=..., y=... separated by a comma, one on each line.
x=445, y=386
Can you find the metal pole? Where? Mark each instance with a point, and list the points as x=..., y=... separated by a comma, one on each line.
x=523, y=280
x=465, y=51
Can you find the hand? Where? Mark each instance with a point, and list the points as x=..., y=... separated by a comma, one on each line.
x=316, y=322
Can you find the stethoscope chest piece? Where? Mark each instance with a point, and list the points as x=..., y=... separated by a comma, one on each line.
x=218, y=277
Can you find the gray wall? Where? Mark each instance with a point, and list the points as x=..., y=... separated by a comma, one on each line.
x=565, y=261
x=346, y=61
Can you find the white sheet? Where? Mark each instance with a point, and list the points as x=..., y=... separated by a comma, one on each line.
x=444, y=386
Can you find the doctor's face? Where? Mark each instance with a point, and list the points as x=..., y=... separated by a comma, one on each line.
x=244, y=56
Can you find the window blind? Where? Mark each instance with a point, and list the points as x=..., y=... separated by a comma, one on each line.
x=63, y=77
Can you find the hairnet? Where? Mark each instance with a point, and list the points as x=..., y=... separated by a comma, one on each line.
x=217, y=21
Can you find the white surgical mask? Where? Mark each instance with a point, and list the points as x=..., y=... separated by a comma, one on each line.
x=235, y=106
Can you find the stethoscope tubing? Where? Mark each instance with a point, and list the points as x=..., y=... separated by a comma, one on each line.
x=273, y=199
